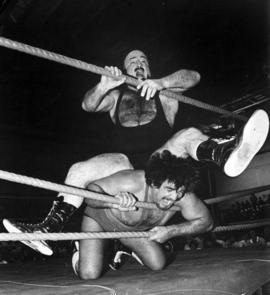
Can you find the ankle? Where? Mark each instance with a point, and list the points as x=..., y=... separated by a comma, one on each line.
x=205, y=150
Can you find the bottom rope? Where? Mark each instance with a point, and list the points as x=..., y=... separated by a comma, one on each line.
x=108, y=235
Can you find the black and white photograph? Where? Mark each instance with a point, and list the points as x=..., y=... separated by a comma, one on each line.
x=135, y=147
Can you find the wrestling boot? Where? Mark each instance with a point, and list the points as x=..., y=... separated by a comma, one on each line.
x=121, y=255
x=234, y=155
x=58, y=216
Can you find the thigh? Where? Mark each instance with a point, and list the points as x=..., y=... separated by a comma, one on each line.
x=149, y=252
x=91, y=259
x=82, y=173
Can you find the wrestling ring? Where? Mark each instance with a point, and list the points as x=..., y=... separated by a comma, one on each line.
x=219, y=271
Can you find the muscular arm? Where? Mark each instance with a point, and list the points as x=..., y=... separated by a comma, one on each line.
x=198, y=220
x=197, y=215
x=98, y=99
x=180, y=80
x=116, y=185
x=102, y=97
x=96, y=203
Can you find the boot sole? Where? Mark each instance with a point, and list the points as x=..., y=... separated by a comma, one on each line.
x=39, y=246
x=75, y=262
x=253, y=137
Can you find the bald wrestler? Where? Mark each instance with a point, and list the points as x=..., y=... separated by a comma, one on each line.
x=232, y=155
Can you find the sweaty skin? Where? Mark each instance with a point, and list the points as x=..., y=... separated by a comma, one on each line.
x=133, y=182
x=134, y=111
x=103, y=97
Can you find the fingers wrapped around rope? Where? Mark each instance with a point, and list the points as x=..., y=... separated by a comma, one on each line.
x=127, y=202
x=73, y=190
x=101, y=71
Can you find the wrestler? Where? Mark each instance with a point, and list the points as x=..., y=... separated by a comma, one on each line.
x=137, y=114
x=167, y=181
x=232, y=156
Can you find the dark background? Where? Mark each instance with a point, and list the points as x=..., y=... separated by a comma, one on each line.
x=43, y=129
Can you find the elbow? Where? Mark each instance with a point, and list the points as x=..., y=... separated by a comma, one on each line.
x=209, y=225
x=88, y=107
x=196, y=77
x=193, y=78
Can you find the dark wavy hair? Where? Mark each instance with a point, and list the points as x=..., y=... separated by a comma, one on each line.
x=166, y=166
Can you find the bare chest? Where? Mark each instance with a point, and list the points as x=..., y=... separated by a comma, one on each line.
x=135, y=110
x=144, y=217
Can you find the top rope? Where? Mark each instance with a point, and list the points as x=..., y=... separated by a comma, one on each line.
x=9, y=176
x=109, y=200
x=101, y=71
x=36, y=182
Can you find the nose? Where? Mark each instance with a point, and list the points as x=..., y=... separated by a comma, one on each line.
x=139, y=63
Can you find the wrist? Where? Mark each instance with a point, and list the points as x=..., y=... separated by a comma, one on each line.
x=162, y=83
x=102, y=88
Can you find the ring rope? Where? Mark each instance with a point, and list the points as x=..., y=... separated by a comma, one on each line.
x=107, y=235
x=35, y=51
x=72, y=190
x=236, y=195
x=9, y=176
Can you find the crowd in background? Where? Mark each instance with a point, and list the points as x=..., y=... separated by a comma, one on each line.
x=233, y=239
x=252, y=208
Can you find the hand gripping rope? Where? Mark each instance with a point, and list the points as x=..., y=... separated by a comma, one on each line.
x=85, y=193
x=108, y=199
x=101, y=71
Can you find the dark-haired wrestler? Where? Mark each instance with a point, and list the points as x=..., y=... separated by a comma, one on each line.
x=232, y=156
x=167, y=181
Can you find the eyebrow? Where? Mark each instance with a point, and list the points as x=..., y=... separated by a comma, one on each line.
x=142, y=56
x=170, y=187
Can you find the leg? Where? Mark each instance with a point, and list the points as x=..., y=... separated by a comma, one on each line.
x=82, y=173
x=232, y=155
x=149, y=252
x=185, y=143
x=91, y=252
x=79, y=175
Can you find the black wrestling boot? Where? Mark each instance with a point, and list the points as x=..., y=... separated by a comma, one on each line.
x=58, y=216
x=234, y=155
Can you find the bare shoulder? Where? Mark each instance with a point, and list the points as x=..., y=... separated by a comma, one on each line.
x=189, y=199
x=125, y=180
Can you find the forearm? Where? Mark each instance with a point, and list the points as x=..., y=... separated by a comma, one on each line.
x=182, y=79
x=192, y=227
x=96, y=203
x=94, y=97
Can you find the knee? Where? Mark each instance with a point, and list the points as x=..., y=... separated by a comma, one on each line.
x=190, y=132
x=90, y=274
x=157, y=265
x=74, y=171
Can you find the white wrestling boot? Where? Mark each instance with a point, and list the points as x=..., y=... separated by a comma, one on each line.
x=58, y=216
x=235, y=155
x=39, y=246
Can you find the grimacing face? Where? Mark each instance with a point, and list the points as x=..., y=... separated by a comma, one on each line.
x=136, y=65
x=167, y=195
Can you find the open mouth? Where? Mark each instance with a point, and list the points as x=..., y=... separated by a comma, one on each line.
x=165, y=204
x=139, y=71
